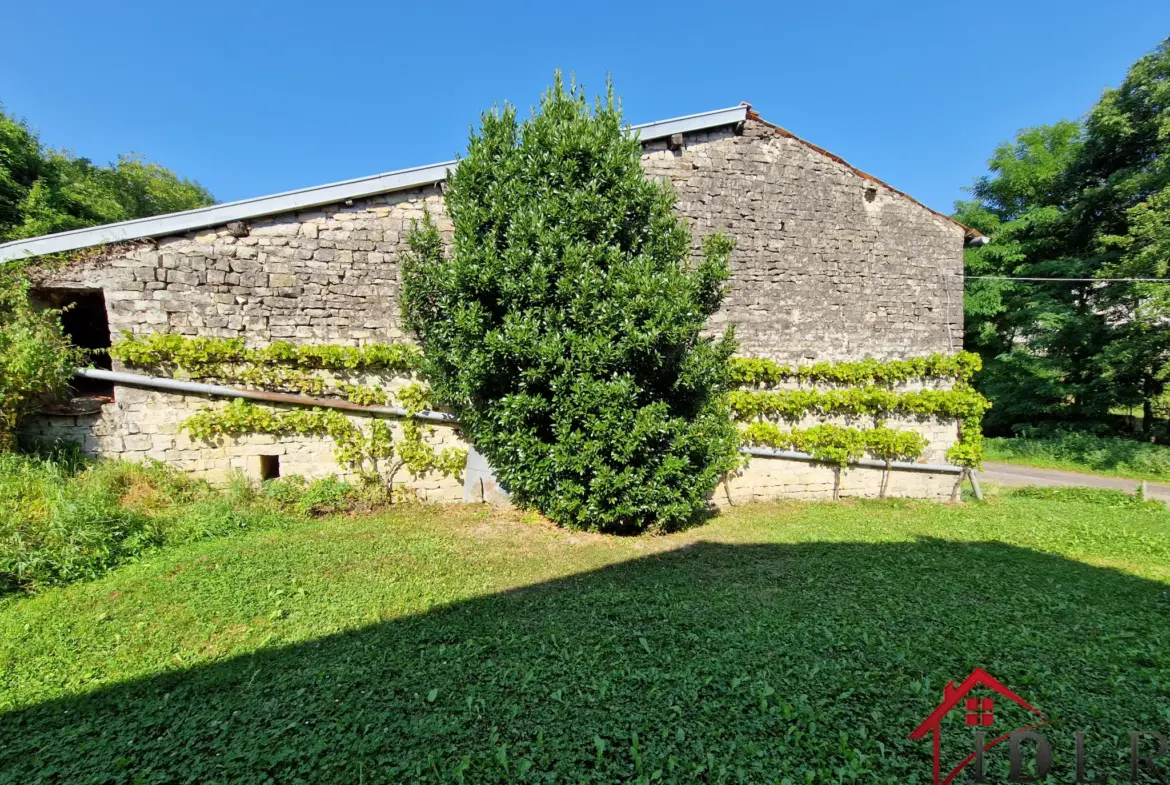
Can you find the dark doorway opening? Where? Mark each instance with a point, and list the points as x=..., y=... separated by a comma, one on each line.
x=86, y=323
x=269, y=467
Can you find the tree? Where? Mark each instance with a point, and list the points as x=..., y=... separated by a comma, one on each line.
x=1077, y=200
x=563, y=327
x=44, y=191
x=36, y=360
x=1124, y=178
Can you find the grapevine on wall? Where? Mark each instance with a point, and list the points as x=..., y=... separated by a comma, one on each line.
x=859, y=388
x=764, y=373
x=280, y=366
x=370, y=452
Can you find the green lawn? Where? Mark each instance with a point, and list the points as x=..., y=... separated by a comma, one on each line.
x=779, y=643
x=1080, y=452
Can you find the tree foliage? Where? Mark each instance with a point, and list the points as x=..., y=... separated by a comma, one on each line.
x=1088, y=199
x=36, y=360
x=563, y=326
x=43, y=190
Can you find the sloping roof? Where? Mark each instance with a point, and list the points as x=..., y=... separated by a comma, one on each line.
x=332, y=193
x=304, y=198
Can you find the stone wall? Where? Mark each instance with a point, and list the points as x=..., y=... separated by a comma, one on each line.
x=829, y=265
x=766, y=479
x=145, y=425
x=328, y=275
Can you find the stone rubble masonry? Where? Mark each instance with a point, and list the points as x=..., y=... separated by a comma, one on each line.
x=828, y=266
x=145, y=425
x=767, y=479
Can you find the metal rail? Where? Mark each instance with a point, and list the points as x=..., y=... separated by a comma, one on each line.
x=792, y=455
x=199, y=388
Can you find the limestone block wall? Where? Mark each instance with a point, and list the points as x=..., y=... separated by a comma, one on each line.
x=767, y=479
x=145, y=425
x=829, y=265
x=327, y=275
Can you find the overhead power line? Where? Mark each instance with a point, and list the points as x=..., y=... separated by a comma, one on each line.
x=1068, y=280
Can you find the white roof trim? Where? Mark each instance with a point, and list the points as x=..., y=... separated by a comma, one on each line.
x=691, y=123
x=289, y=201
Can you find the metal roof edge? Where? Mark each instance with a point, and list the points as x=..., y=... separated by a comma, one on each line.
x=716, y=118
x=218, y=214
x=304, y=198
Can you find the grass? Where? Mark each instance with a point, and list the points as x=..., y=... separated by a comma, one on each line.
x=1081, y=452
x=780, y=643
x=64, y=519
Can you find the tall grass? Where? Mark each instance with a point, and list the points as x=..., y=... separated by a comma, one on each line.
x=1085, y=452
x=63, y=519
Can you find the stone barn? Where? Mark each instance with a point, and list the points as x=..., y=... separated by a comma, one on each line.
x=831, y=264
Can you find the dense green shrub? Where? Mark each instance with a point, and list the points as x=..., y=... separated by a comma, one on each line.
x=36, y=359
x=62, y=519
x=563, y=326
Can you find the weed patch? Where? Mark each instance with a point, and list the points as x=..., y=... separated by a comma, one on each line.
x=1086, y=453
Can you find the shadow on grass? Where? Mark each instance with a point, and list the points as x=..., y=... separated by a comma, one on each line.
x=714, y=663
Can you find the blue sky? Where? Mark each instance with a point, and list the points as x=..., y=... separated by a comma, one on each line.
x=254, y=98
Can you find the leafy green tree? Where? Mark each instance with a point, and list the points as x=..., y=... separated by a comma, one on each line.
x=1124, y=179
x=564, y=324
x=44, y=190
x=1077, y=200
x=36, y=359
x=22, y=163
x=1034, y=338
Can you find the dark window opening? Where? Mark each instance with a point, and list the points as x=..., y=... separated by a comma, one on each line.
x=87, y=325
x=269, y=467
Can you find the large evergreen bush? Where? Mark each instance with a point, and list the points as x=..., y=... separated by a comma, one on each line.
x=563, y=325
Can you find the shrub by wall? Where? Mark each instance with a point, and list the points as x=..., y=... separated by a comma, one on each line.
x=563, y=325
x=36, y=360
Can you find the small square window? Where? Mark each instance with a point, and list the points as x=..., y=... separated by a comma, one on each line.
x=269, y=467
x=979, y=711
